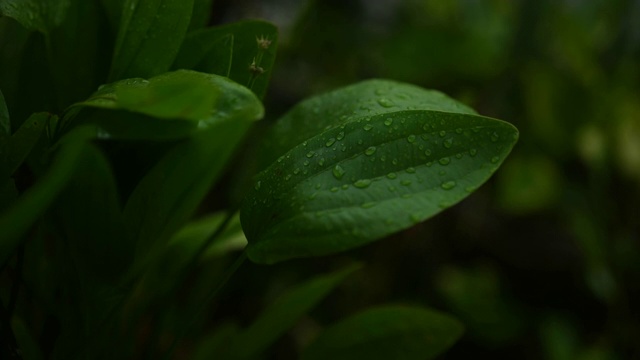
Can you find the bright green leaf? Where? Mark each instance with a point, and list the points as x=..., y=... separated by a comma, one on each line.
x=40, y=15
x=167, y=196
x=150, y=35
x=174, y=104
x=5, y=123
x=17, y=219
x=389, y=332
x=284, y=313
x=208, y=50
x=370, y=166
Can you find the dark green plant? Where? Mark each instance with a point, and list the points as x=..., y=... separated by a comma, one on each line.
x=101, y=184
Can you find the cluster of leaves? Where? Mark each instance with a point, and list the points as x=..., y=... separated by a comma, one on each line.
x=118, y=117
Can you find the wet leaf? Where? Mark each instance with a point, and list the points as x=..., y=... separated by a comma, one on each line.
x=170, y=192
x=364, y=162
x=172, y=105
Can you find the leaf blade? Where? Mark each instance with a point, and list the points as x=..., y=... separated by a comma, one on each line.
x=367, y=176
x=149, y=37
x=389, y=332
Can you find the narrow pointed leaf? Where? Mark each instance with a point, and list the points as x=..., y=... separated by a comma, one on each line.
x=284, y=313
x=170, y=105
x=253, y=43
x=366, y=167
x=149, y=37
x=389, y=332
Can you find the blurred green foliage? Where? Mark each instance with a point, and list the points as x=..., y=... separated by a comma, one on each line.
x=544, y=261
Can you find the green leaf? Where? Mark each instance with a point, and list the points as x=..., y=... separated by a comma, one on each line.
x=5, y=123
x=209, y=50
x=17, y=148
x=201, y=14
x=167, y=196
x=380, y=157
x=150, y=35
x=17, y=219
x=284, y=313
x=196, y=233
x=174, y=104
x=90, y=216
x=40, y=15
x=389, y=332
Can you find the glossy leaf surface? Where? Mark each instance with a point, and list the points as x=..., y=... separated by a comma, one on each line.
x=149, y=37
x=367, y=166
x=233, y=48
x=174, y=104
x=284, y=313
x=389, y=332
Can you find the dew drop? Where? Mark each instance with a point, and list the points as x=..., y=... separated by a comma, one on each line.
x=458, y=130
x=257, y=187
x=447, y=143
x=448, y=185
x=321, y=161
x=296, y=171
x=363, y=183
x=311, y=154
x=394, y=161
x=392, y=175
x=360, y=142
x=340, y=135
x=386, y=103
x=495, y=159
x=411, y=138
x=473, y=152
x=411, y=170
x=405, y=182
x=388, y=122
x=415, y=218
x=338, y=172
x=442, y=133
x=334, y=189
x=345, y=186
x=330, y=142
x=368, y=127
x=427, y=152
x=370, y=150
x=470, y=189
x=444, y=161
x=306, y=163
x=288, y=177
x=459, y=156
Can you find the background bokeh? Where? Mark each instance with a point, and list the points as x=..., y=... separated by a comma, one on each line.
x=543, y=261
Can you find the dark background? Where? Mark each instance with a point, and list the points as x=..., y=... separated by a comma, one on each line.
x=543, y=261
